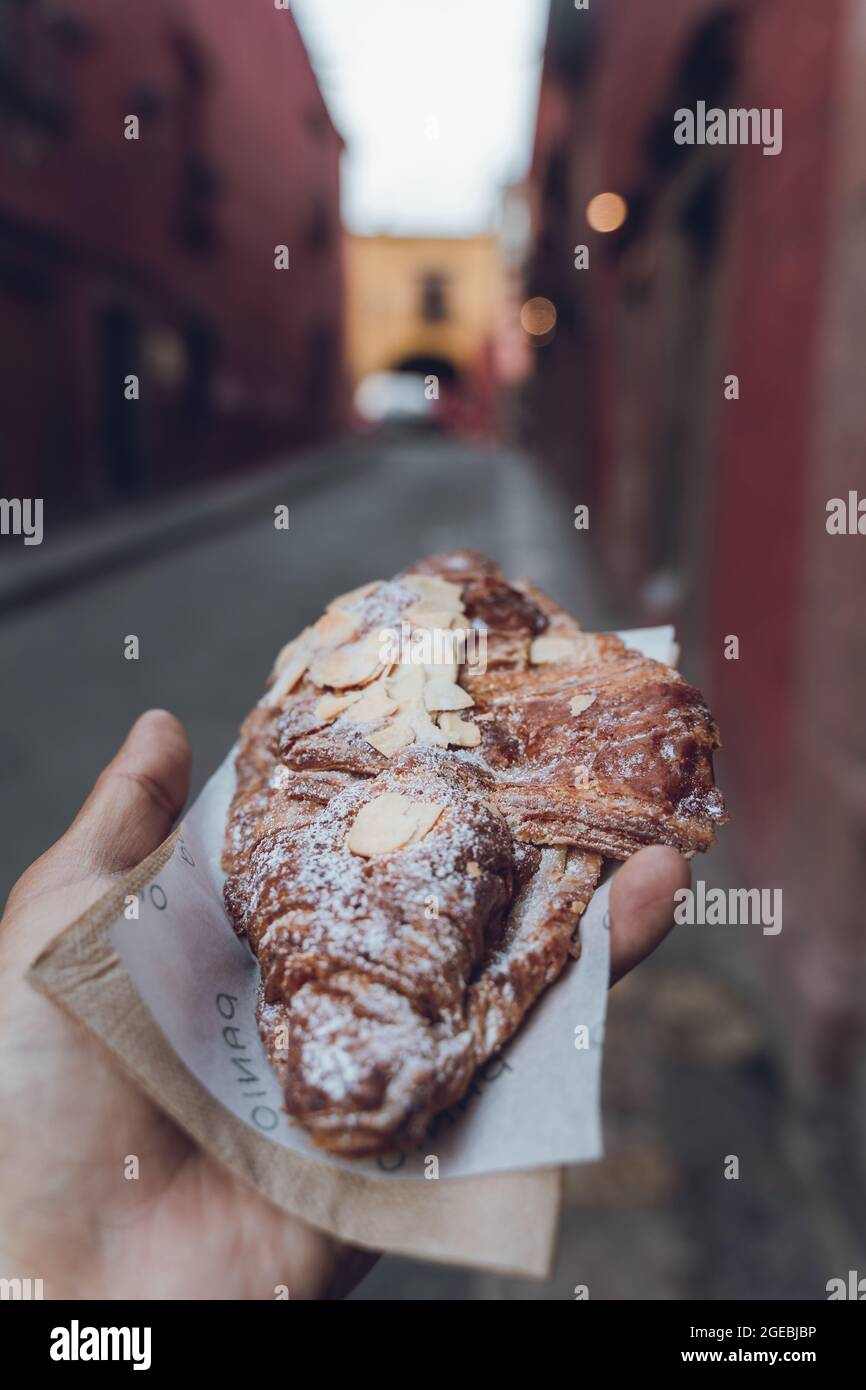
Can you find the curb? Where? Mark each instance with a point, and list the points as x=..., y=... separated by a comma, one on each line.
x=138, y=533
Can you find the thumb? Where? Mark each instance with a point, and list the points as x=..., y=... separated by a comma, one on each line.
x=136, y=799
x=130, y=811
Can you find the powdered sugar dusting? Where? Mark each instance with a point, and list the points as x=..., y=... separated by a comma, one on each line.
x=395, y=974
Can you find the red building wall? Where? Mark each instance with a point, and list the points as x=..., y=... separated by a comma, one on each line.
x=778, y=282
x=774, y=255
x=754, y=559
x=787, y=52
x=176, y=230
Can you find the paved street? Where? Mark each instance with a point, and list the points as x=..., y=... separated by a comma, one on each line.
x=690, y=1072
x=211, y=615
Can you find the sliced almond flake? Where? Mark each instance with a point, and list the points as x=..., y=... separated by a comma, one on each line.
x=292, y=666
x=333, y=629
x=427, y=616
x=426, y=815
x=581, y=703
x=288, y=653
x=330, y=706
x=441, y=593
x=473, y=869
x=424, y=728
x=442, y=694
x=373, y=704
x=355, y=664
x=406, y=684
x=396, y=735
x=461, y=732
x=546, y=649
x=389, y=822
x=445, y=667
x=346, y=600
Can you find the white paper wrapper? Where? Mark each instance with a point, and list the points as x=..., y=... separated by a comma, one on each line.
x=531, y=1110
x=537, y=1104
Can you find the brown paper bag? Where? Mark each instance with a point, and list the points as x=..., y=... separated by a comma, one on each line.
x=504, y=1222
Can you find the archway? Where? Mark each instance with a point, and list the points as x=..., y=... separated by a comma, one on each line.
x=428, y=364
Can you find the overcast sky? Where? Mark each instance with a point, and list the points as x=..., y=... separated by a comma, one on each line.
x=436, y=101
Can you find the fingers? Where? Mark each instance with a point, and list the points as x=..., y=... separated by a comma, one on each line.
x=136, y=800
x=642, y=905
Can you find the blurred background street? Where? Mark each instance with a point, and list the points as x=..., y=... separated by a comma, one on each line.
x=434, y=276
x=690, y=1069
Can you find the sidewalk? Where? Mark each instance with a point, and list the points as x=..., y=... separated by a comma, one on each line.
x=83, y=551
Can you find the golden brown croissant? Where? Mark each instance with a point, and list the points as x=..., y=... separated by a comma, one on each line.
x=413, y=839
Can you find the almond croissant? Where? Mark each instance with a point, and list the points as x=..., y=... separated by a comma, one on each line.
x=413, y=838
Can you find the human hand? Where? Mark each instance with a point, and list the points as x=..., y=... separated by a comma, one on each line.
x=642, y=905
x=187, y=1228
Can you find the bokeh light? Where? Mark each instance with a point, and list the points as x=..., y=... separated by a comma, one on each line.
x=606, y=212
x=538, y=317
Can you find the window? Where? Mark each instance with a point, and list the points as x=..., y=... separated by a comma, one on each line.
x=434, y=304
x=203, y=353
x=32, y=72
x=320, y=225
x=199, y=188
x=198, y=194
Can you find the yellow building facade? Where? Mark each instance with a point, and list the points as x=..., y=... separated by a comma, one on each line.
x=421, y=303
